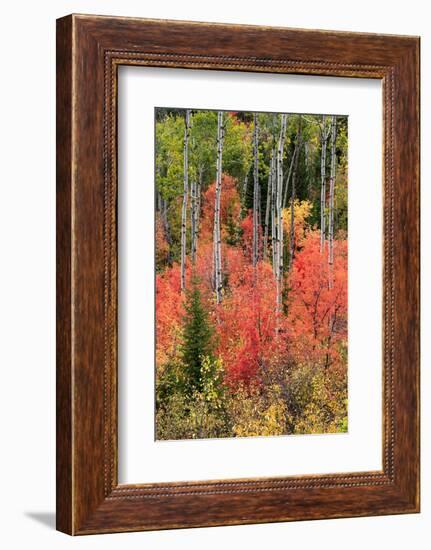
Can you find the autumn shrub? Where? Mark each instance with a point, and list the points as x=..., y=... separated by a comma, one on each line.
x=264, y=353
x=257, y=412
x=196, y=415
x=317, y=401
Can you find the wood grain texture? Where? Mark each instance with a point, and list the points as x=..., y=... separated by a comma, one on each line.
x=64, y=496
x=90, y=49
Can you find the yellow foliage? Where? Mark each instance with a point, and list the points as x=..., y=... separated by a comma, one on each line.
x=308, y=399
x=258, y=415
x=301, y=211
x=322, y=402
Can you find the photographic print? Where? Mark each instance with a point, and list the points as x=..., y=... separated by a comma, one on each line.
x=251, y=275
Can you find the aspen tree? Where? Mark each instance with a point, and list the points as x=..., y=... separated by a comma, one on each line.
x=244, y=188
x=279, y=213
x=255, y=254
x=289, y=174
x=307, y=167
x=166, y=227
x=198, y=207
x=185, y=200
x=324, y=139
x=293, y=195
x=268, y=204
x=193, y=220
x=218, y=281
x=274, y=217
x=163, y=212
x=331, y=199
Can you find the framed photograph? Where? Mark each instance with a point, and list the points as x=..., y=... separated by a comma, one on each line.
x=237, y=274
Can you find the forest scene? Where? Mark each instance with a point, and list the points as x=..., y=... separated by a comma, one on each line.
x=251, y=273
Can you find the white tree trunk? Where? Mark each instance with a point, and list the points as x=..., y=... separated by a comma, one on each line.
x=185, y=200
x=323, y=186
x=289, y=175
x=193, y=210
x=274, y=218
x=198, y=190
x=331, y=198
x=218, y=276
x=307, y=167
x=166, y=227
x=244, y=192
x=255, y=253
x=268, y=205
x=293, y=195
x=279, y=214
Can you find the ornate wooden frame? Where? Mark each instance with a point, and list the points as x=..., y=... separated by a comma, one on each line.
x=89, y=51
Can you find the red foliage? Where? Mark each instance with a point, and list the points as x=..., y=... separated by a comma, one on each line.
x=169, y=313
x=229, y=207
x=317, y=310
x=247, y=235
x=250, y=335
x=247, y=319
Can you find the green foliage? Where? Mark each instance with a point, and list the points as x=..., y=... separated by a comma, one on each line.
x=199, y=414
x=341, y=194
x=317, y=401
x=303, y=400
x=233, y=230
x=257, y=412
x=169, y=382
x=237, y=148
x=237, y=158
x=198, y=337
x=291, y=391
x=169, y=156
x=203, y=150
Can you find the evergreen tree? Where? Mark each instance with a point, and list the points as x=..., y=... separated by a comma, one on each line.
x=197, y=338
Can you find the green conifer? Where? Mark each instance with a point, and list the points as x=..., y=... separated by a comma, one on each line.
x=197, y=338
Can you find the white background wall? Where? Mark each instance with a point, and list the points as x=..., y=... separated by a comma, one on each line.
x=27, y=280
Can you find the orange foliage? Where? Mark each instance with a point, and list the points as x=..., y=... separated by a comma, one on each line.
x=169, y=312
x=249, y=337
x=247, y=319
x=317, y=310
x=229, y=207
x=247, y=236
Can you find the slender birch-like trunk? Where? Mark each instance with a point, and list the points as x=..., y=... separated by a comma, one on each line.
x=192, y=216
x=259, y=220
x=198, y=190
x=218, y=281
x=193, y=220
x=244, y=188
x=244, y=192
x=255, y=253
x=268, y=205
x=331, y=198
x=293, y=196
x=323, y=185
x=289, y=174
x=166, y=226
x=307, y=167
x=274, y=218
x=279, y=214
x=185, y=200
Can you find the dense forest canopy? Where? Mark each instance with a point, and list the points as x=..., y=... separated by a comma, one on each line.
x=251, y=283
